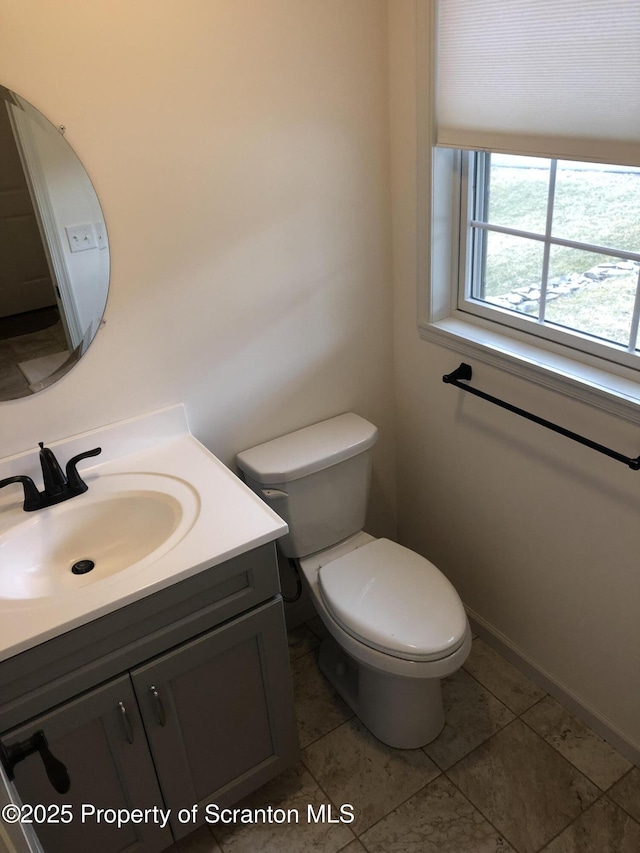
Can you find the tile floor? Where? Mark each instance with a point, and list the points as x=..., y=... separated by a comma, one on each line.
x=511, y=771
x=23, y=348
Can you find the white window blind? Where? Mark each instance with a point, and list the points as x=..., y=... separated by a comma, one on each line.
x=559, y=78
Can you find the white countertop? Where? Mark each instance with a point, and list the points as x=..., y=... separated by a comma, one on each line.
x=230, y=521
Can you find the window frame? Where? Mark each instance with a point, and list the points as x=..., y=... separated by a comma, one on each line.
x=603, y=384
x=474, y=167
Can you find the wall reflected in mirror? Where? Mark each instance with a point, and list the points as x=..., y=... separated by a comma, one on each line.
x=54, y=252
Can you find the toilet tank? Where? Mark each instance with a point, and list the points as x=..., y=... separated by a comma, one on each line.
x=316, y=479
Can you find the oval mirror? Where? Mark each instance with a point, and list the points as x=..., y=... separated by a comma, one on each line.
x=54, y=254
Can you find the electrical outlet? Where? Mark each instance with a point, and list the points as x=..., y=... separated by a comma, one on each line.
x=81, y=237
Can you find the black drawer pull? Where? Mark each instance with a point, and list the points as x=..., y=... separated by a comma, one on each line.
x=126, y=722
x=162, y=717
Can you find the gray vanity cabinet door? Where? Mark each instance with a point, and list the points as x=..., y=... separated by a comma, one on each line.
x=218, y=713
x=91, y=737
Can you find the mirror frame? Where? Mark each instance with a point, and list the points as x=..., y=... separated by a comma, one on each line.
x=54, y=278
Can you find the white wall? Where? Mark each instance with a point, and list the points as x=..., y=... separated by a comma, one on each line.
x=239, y=149
x=240, y=152
x=540, y=536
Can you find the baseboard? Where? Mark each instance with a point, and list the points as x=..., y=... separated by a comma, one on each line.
x=601, y=725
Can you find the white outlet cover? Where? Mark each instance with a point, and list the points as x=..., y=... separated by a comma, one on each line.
x=81, y=237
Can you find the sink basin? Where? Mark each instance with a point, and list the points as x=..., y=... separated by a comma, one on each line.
x=124, y=522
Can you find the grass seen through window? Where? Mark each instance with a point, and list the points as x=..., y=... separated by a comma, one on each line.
x=595, y=206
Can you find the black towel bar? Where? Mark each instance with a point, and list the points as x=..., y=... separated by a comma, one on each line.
x=464, y=372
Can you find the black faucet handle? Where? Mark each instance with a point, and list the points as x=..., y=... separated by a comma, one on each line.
x=76, y=483
x=32, y=498
x=52, y=476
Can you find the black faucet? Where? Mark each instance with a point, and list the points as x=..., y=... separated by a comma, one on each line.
x=58, y=487
x=52, y=476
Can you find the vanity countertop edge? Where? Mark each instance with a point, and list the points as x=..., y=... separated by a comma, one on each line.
x=231, y=521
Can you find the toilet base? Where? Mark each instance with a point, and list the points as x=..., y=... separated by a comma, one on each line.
x=405, y=713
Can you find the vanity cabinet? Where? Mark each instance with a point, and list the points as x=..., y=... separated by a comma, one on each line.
x=209, y=715
x=199, y=710
x=104, y=767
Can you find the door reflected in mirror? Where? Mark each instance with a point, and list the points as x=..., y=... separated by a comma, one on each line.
x=54, y=252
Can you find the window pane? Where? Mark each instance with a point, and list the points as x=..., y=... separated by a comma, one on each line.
x=598, y=204
x=512, y=273
x=518, y=192
x=591, y=293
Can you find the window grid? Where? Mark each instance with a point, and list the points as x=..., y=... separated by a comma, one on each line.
x=476, y=169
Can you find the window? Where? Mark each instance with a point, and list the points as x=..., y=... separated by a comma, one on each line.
x=531, y=256
x=552, y=247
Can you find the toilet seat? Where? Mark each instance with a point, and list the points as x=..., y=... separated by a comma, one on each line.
x=395, y=601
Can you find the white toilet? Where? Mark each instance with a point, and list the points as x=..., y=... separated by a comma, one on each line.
x=396, y=624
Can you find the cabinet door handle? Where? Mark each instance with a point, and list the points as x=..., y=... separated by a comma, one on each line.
x=162, y=718
x=126, y=722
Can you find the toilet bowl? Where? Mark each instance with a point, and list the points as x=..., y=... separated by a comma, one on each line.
x=381, y=660
x=395, y=624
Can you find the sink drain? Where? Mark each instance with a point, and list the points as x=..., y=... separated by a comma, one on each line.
x=82, y=567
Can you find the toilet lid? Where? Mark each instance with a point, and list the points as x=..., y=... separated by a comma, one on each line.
x=394, y=600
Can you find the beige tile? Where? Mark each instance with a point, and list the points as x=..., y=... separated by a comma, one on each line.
x=354, y=847
x=319, y=709
x=604, y=828
x=12, y=381
x=301, y=641
x=577, y=742
x=626, y=793
x=472, y=715
x=526, y=789
x=35, y=345
x=7, y=355
x=502, y=678
x=200, y=841
x=57, y=332
x=13, y=385
x=354, y=767
x=438, y=819
x=292, y=792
